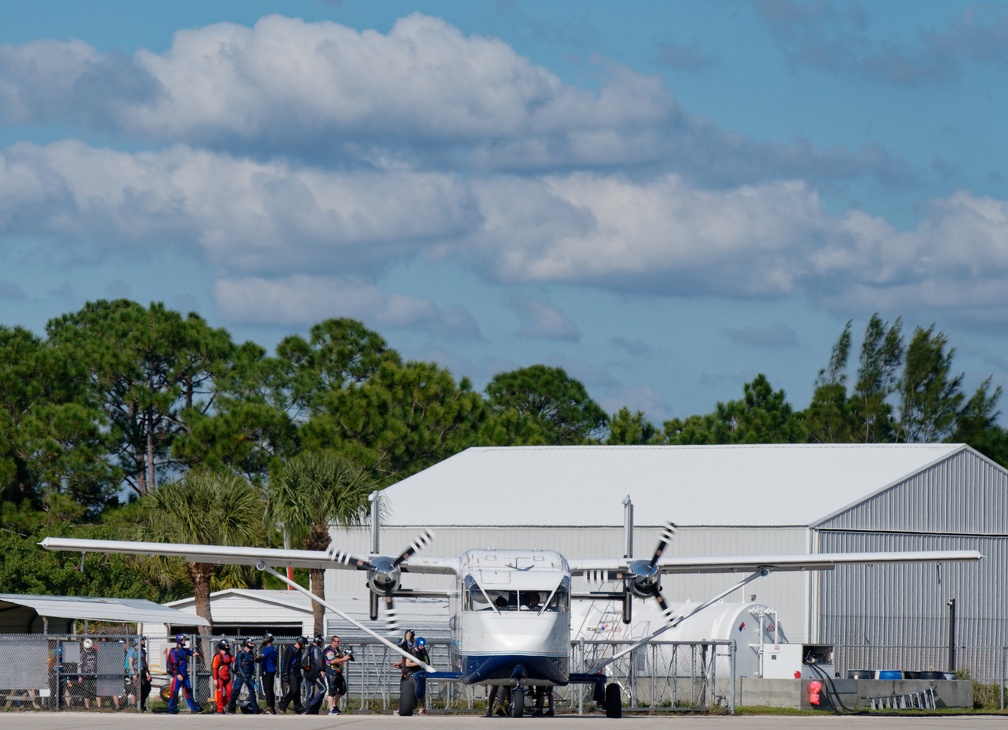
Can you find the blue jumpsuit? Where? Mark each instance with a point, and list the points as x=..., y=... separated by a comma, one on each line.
x=178, y=665
x=244, y=667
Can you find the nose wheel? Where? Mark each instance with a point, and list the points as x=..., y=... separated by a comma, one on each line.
x=517, y=701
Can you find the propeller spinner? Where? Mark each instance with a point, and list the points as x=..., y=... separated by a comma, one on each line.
x=384, y=574
x=644, y=576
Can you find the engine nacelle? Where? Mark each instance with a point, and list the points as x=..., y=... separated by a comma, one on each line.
x=644, y=579
x=384, y=576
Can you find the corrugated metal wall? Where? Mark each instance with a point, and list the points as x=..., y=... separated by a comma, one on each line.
x=957, y=504
x=960, y=502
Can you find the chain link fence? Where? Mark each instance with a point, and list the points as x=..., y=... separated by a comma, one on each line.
x=54, y=673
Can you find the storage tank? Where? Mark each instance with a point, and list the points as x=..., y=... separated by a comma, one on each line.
x=753, y=626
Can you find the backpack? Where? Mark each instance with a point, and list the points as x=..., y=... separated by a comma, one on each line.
x=172, y=662
x=306, y=663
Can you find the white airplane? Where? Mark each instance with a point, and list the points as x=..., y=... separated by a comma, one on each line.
x=510, y=617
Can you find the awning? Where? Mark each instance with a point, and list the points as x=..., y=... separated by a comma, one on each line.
x=125, y=610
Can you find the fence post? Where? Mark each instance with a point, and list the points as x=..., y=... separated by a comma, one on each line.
x=581, y=652
x=733, y=653
x=1004, y=653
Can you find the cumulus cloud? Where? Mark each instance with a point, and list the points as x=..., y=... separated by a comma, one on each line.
x=313, y=157
x=662, y=235
x=237, y=212
x=304, y=299
x=424, y=94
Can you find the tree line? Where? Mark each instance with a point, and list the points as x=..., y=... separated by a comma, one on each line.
x=119, y=399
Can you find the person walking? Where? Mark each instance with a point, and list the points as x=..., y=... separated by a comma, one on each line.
x=221, y=674
x=244, y=667
x=314, y=671
x=420, y=652
x=336, y=686
x=88, y=677
x=268, y=660
x=178, y=669
x=145, y=675
x=290, y=669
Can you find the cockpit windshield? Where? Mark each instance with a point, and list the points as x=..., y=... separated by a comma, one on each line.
x=476, y=598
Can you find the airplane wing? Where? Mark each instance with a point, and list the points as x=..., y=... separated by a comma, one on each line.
x=228, y=555
x=617, y=569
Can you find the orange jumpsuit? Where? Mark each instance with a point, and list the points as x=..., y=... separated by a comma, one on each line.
x=220, y=669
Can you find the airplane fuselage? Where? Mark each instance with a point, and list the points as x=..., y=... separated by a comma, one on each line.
x=511, y=618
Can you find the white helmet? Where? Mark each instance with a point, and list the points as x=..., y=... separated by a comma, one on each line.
x=88, y=643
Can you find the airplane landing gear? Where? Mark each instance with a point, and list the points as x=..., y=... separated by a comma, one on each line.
x=613, y=700
x=407, y=696
x=517, y=702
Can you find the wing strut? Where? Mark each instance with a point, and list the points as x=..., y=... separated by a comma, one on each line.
x=763, y=572
x=262, y=566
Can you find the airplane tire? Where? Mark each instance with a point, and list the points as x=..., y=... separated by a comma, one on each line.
x=517, y=702
x=407, y=696
x=613, y=701
x=165, y=693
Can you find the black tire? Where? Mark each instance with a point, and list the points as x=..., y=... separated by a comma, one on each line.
x=613, y=701
x=517, y=702
x=165, y=693
x=407, y=696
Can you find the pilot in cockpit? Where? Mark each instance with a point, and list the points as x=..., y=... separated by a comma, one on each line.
x=533, y=601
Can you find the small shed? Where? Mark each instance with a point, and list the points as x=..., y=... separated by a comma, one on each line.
x=243, y=611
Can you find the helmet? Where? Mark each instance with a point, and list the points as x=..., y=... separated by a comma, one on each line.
x=320, y=640
x=267, y=638
x=88, y=643
x=249, y=641
x=181, y=638
x=143, y=638
x=302, y=640
x=421, y=642
x=223, y=644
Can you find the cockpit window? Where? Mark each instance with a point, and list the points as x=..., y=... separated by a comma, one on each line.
x=475, y=598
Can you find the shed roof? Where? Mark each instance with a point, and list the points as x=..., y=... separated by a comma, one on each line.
x=126, y=610
x=778, y=484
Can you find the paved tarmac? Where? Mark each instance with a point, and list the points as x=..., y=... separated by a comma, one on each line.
x=132, y=721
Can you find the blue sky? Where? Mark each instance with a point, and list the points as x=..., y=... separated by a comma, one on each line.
x=663, y=198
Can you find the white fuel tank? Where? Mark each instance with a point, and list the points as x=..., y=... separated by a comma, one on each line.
x=753, y=626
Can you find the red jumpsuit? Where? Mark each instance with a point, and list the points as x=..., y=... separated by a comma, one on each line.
x=220, y=669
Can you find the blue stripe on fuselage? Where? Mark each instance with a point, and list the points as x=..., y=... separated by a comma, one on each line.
x=537, y=669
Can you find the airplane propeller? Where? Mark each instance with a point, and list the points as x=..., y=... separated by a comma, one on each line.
x=384, y=575
x=644, y=578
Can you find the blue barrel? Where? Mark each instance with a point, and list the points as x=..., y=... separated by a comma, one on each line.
x=890, y=674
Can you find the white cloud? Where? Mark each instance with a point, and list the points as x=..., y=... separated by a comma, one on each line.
x=423, y=93
x=241, y=214
x=305, y=299
x=663, y=235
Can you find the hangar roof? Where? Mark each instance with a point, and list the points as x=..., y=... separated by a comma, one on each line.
x=771, y=485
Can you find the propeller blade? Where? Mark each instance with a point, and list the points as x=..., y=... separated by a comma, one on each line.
x=338, y=556
x=667, y=534
x=425, y=539
x=666, y=611
x=391, y=617
x=373, y=605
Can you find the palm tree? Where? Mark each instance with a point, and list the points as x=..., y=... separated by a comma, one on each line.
x=205, y=508
x=308, y=494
